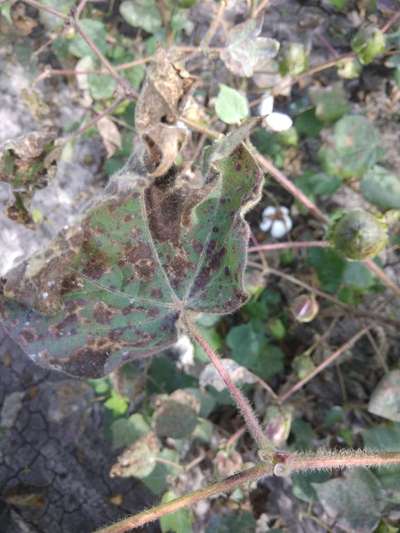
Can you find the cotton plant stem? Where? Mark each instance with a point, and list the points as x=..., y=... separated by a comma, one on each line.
x=290, y=187
x=332, y=459
x=227, y=485
x=241, y=401
x=288, y=245
x=329, y=360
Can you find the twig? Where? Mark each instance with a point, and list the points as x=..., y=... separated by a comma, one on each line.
x=379, y=273
x=94, y=121
x=214, y=25
x=227, y=485
x=290, y=187
x=393, y=19
x=51, y=10
x=263, y=5
x=288, y=245
x=346, y=346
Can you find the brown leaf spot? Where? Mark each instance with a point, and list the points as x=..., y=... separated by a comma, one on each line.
x=101, y=313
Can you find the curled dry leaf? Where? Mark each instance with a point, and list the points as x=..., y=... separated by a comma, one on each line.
x=139, y=459
x=120, y=284
x=160, y=103
x=246, y=52
x=110, y=135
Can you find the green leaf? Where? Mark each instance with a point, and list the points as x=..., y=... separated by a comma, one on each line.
x=231, y=106
x=308, y=124
x=179, y=522
x=113, y=287
x=368, y=43
x=50, y=21
x=382, y=437
x=163, y=472
x=294, y=59
x=385, y=400
x=245, y=51
x=174, y=419
x=101, y=86
x=330, y=103
x=353, y=149
x=354, y=501
x=250, y=349
x=142, y=14
x=135, y=75
x=125, y=431
x=329, y=266
x=116, y=403
x=381, y=187
x=97, y=33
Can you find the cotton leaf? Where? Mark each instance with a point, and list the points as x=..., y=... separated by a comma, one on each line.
x=119, y=284
x=110, y=135
x=245, y=51
x=231, y=106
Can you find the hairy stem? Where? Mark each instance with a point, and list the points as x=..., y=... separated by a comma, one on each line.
x=288, y=245
x=331, y=459
x=241, y=401
x=227, y=485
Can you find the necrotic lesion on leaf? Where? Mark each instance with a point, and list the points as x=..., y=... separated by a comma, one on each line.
x=150, y=250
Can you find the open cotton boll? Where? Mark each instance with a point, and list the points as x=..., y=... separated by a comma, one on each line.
x=276, y=220
x=278, y=122
x=266, y=105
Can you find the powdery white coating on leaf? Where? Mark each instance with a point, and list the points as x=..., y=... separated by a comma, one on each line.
x=245, y=51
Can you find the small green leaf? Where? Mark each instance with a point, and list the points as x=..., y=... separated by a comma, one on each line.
x=97, y=32
x=179, y=522
x=368, y=43
x=231, y=106
x=117, y=404
x=354, y=501
x=101, y=86
x=174, y=419
x=353, y=149
x=329, y=266
x=385, y=400
x=142, y=14
x=50, y=21
x=125, y=431
x=381, y=187
x=163, y=472
x=330, y=103
x=294, y=59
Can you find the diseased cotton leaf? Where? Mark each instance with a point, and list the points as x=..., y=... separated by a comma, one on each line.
x=139, y=459
x=141, y=14
x=355, y=501
x=174, y=419
x=158, y=108
x=385, y=400
x=381, y=187
x=118, y=284
x=354, y=148
x=245, y=51
x=238, y=374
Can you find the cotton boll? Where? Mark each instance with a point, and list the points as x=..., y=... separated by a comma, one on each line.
x=278, y=122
